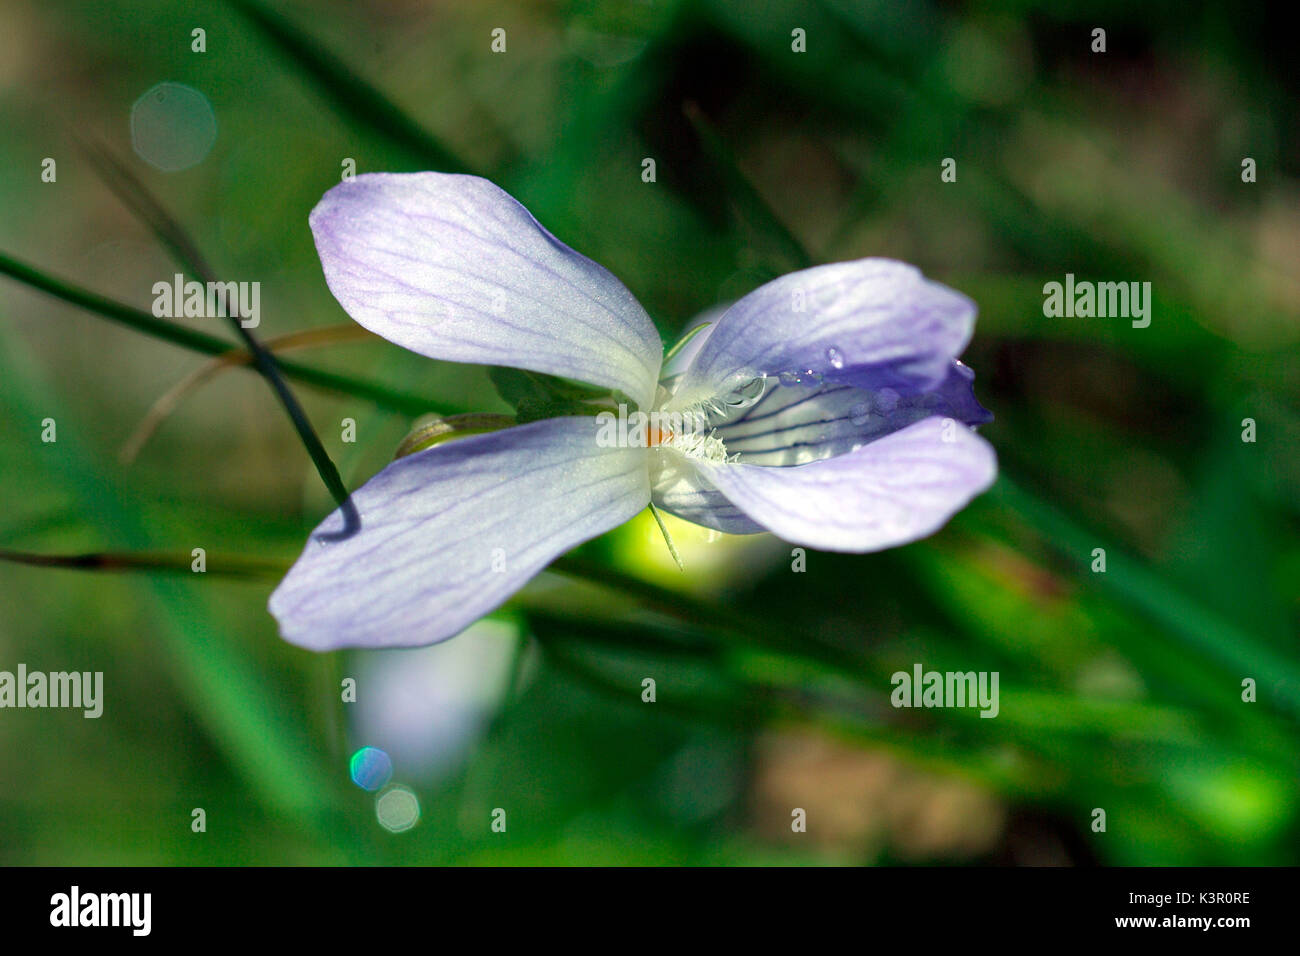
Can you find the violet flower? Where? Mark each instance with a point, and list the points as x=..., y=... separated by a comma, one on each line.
x=835, y=412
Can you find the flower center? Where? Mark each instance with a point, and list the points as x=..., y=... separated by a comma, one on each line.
x=695, y=445
x=691, y=428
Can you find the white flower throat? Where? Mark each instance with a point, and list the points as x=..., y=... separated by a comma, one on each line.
x=687, y=428
x=697, y=437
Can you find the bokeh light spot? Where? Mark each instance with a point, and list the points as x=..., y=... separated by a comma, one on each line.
x=173, y=127
x=371, y=768
x=397, y=809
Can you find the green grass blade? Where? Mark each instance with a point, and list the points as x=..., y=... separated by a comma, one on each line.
x=353, y=97
x=235, y=703
x=195, y=341
x=750, y=206
x=169, y=231
x=1149, y=593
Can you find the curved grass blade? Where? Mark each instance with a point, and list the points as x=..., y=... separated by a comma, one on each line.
x=138, y=198
x=171, y=399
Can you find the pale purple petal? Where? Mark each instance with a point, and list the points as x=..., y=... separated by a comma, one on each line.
x=871, y=323
x=677, y=487
x=900, y=488
x=695, y=340
x=448, y=534
x=453, y=268
x=796, y=424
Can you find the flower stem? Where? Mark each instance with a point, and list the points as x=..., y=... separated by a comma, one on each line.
x=668, y=539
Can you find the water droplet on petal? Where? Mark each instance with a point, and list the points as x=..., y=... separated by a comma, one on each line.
x=886, y=400
x=834, y=356
x=743, y=389
x=789, y=378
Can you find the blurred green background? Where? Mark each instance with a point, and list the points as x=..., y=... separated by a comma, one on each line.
x=1120, y=690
